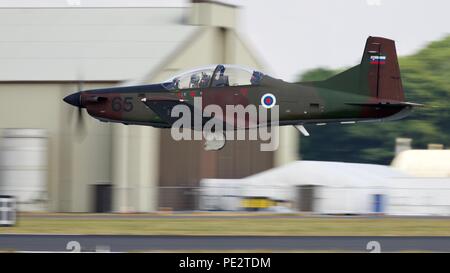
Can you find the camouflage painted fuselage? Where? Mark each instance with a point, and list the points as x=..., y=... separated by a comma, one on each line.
x=370, y=91
x=298, y=103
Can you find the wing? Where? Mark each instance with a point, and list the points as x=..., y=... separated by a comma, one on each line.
x=163, y=106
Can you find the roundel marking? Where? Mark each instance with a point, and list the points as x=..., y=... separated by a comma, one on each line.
x=268, y=100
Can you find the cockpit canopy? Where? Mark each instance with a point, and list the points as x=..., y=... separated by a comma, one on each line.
x=214, y=76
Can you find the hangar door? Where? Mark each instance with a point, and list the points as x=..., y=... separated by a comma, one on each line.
x=306, y=197
x=184, y=163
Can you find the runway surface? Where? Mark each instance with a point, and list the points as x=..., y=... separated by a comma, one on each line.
x=126, y=243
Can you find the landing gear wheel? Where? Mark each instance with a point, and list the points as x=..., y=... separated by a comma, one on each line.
x=214, y=142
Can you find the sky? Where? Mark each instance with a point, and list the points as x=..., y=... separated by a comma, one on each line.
x=297, y=35
x=292, y=36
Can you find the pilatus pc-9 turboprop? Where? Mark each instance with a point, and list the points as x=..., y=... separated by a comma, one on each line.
x=368, y=92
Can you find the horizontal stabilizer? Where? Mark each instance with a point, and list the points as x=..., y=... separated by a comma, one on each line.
x=387, y=104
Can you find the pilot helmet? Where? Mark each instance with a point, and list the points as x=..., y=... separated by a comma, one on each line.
x=195, y=78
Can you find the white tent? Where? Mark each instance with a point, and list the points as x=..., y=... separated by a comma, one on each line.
x=220, y=194
x=424, y=163
x=339, y=188
x=419, y=196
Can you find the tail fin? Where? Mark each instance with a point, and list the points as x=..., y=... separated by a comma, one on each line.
x=377, y=76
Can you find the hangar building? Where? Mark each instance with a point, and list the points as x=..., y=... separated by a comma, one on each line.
x=48, y=52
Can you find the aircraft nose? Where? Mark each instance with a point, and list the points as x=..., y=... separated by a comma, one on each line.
x=74, y=99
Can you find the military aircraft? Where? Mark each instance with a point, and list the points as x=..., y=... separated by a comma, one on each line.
x=368, y=92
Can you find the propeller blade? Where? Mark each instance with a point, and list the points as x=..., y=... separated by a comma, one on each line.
x=79, y=127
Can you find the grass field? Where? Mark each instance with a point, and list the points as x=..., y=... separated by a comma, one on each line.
x=235, y=226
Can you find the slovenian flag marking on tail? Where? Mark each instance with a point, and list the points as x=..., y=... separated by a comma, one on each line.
x=377, y=59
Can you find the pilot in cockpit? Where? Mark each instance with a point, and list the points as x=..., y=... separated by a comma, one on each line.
x=195, y=79
x=221, y=79
x=204, y=80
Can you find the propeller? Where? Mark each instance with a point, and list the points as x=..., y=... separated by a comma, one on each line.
x=80, y=124
x=80, y=120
